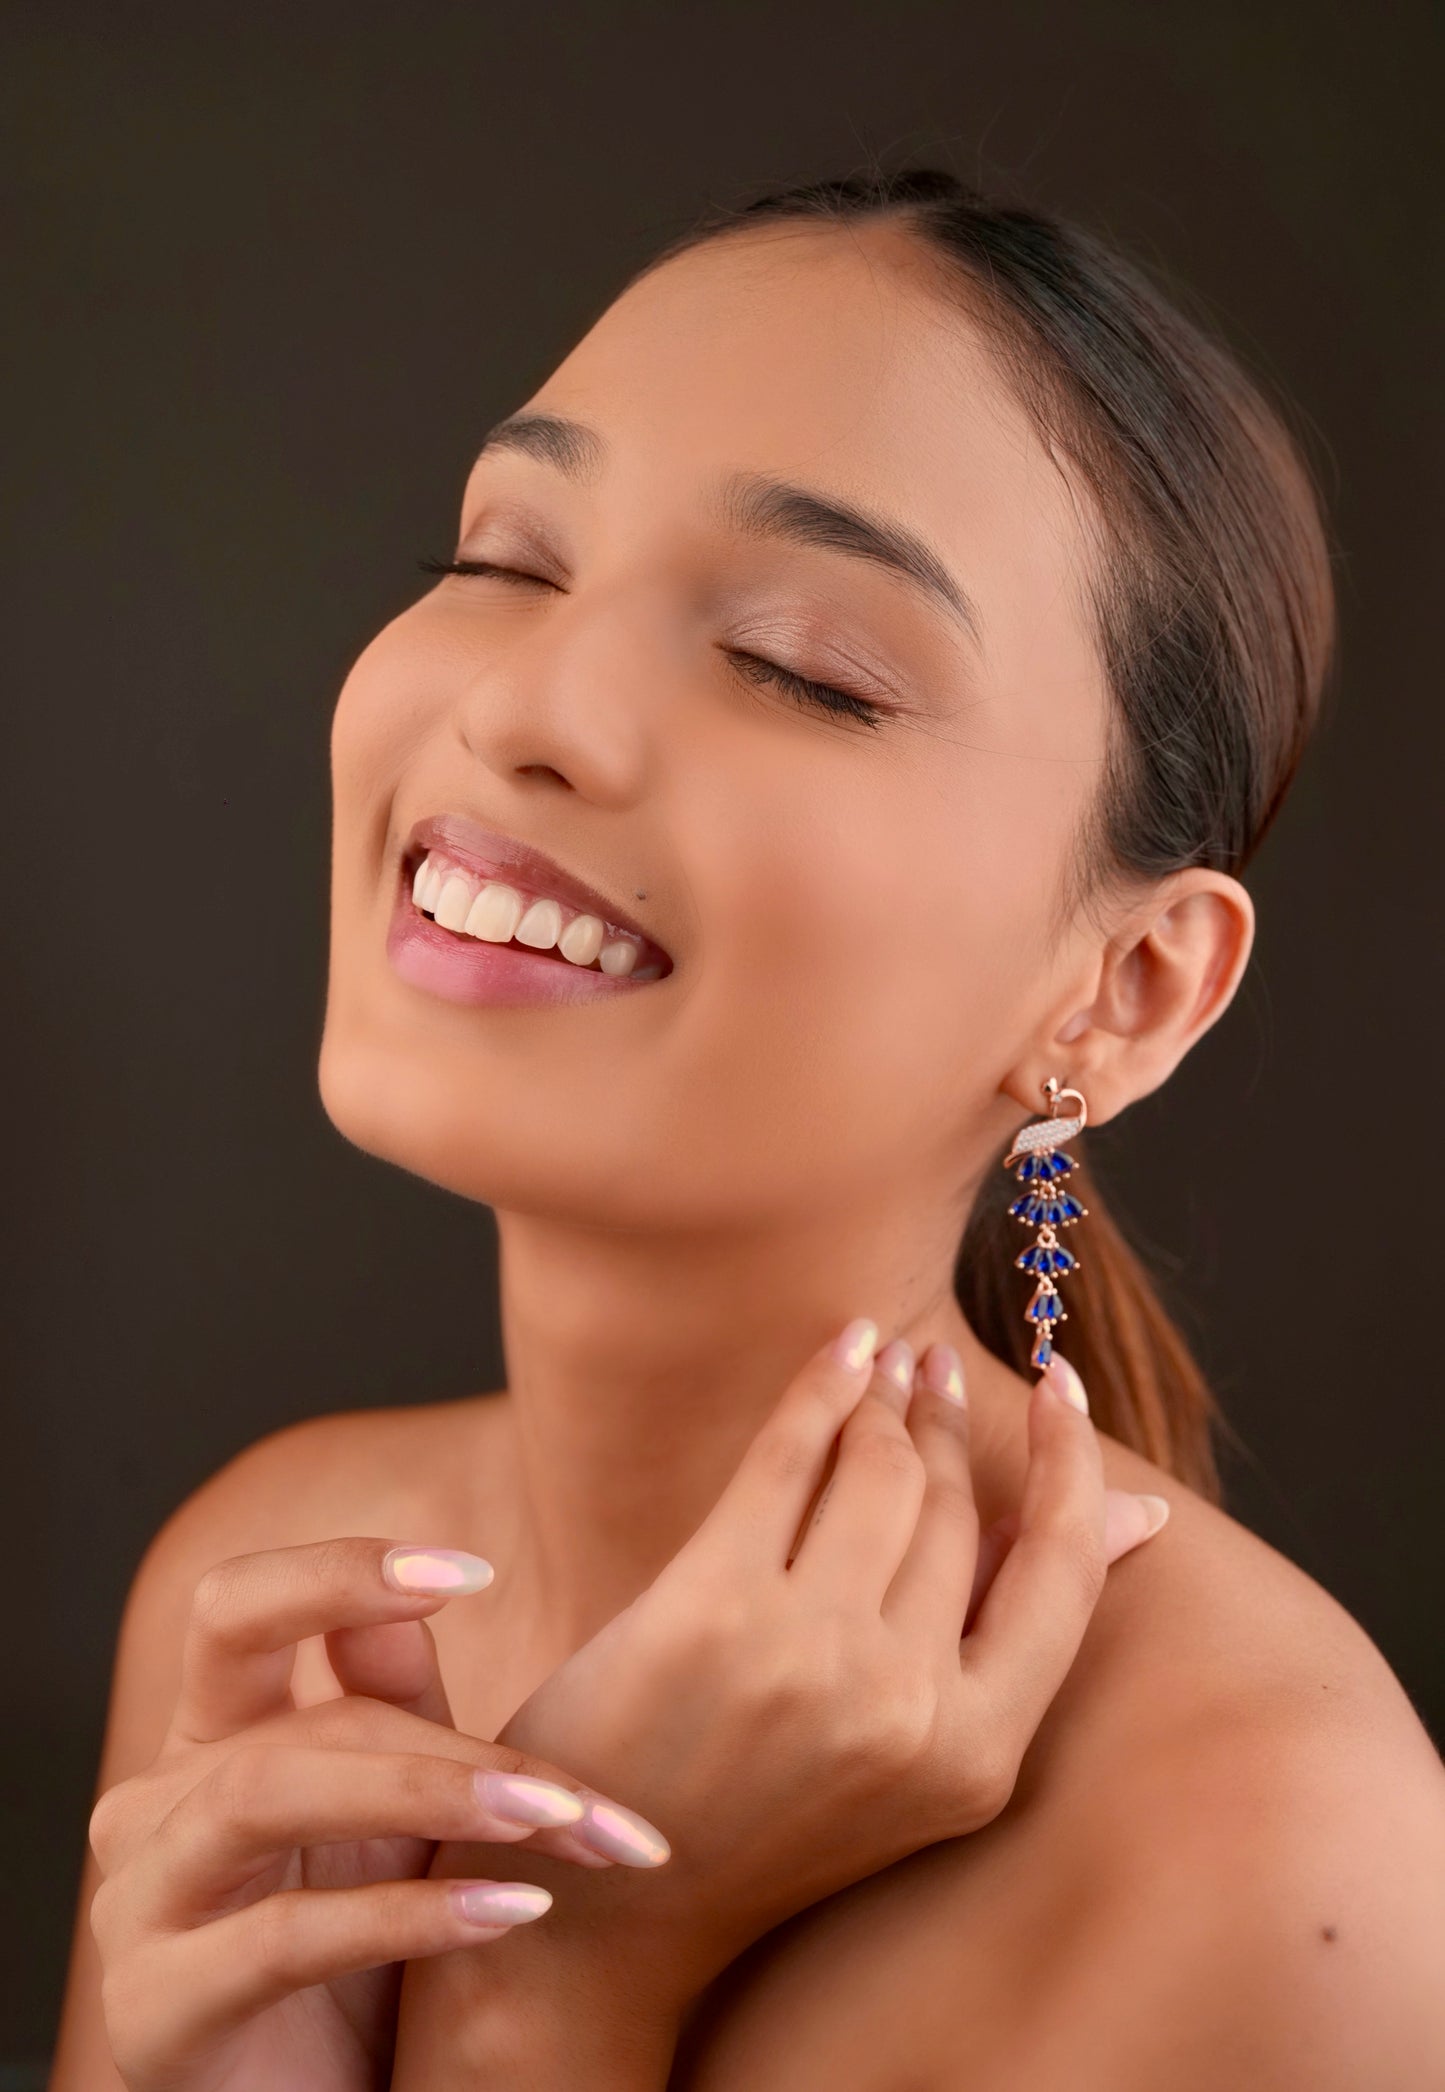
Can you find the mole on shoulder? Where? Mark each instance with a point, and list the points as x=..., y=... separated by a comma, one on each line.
x=1328, y=1932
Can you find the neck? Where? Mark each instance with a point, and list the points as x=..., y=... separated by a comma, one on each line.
x=640, y=1367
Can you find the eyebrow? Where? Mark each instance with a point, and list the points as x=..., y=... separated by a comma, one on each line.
x=761, y=506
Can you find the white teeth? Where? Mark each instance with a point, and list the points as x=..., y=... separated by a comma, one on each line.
x=581, y=941
x=540, y=926
x=453, y=902
x=495, y=913
x=499, y=913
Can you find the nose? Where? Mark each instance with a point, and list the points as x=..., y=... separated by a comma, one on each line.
x=573, y=703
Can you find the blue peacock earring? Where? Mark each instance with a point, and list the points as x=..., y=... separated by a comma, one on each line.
x=1048, y=1206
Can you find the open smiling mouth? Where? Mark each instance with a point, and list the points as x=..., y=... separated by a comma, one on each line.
x=472, y=907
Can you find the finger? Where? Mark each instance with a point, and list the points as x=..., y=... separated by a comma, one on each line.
x=928, y=1597
x=757, y=1517
x=263, y=1800
x=250, y=1611
x=860, y=1533
x=994, y=1543
x=393, y=1660
x=606, y=1833
x=1129, y=1520
x=1033, y=1616
x=222, y=1974
x=890, y=1379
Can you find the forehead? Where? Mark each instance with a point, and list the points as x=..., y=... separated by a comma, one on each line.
x=837, y=358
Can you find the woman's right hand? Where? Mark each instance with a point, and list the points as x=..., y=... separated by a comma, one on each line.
x=265, y=1878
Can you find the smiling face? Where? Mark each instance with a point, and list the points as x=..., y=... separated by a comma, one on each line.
x=857, y=904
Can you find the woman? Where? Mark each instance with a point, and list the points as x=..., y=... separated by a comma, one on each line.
x=868, y=664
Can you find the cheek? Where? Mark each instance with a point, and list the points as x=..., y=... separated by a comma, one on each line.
x=861, y=986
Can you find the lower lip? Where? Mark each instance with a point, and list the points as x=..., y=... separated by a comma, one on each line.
x=470, y=970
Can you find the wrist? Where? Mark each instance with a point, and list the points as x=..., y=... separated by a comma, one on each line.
x=547, y=2008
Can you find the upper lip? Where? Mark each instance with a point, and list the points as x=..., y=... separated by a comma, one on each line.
x=493, y=855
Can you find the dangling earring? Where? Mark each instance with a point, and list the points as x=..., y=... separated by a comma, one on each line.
x=1043, y=1165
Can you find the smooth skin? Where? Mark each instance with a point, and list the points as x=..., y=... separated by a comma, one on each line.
x=266, y=1877
x=1224, y=1859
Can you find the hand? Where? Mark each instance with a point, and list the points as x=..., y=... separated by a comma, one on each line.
x=794, y=1700
x=265, y=1877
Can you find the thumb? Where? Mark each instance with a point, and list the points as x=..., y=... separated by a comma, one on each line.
x=393, y=1660
x=1130, y=1519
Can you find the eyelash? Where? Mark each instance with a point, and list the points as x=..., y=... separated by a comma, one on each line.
x=826, y=696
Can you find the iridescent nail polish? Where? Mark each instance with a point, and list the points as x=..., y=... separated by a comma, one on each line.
x=435, y=1572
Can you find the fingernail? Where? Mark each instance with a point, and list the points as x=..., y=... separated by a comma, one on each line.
x=854, y=1348
x=1157, y=1509
x=943, y=1372
x=518, y=1797
x=435, y=1570
x=622, y=1835
x=895, y=1363
x=1065, y=1382
x=500, y=1902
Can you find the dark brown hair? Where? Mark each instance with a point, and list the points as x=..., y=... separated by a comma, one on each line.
x=1215, y=621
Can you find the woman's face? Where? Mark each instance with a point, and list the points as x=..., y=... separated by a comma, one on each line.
x=857, y=916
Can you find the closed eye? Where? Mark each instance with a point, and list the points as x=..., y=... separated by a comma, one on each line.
x=826, y=697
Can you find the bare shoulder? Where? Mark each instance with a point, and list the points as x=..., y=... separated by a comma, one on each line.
x=1224, y=1862
x=344, y=1472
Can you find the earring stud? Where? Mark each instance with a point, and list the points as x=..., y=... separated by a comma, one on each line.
x=1046, y=1205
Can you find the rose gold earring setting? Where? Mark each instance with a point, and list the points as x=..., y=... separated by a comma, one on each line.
x=1046, y=1206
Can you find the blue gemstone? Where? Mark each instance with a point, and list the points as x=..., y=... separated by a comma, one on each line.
x=1025, y=1170
x=1060, y=1260
x=1043, y=1350
x=1062, y=1163
x=1072, y=1210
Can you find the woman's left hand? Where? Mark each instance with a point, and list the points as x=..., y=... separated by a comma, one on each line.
x=794, y=1700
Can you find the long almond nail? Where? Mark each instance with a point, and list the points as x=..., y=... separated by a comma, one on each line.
x=1065, y=1382
x=622, y=1835
x=895, y=1363
x=519, y=1797
x=855, y=1346
x=435, y=1571
x=943, y=1372
x=1156, y=1510
x=500, y=1902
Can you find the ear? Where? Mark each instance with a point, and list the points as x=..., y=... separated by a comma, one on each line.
x=1158, y=984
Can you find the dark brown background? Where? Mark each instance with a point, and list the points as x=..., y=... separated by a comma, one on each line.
x=271, y=277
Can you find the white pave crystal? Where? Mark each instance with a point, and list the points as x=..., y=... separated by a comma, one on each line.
x=1047, y=1134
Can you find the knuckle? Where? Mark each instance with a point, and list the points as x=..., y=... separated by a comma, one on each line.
x=991, y=1784
x=784, y=1456
x=237, y=1782
x=418, y=1781
x=891, y=1453
x=106, y=1820
x=501, y=1757
x=1081, y=1546
x=213, y=1600
x=951, y=1497
x=276, y=1924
